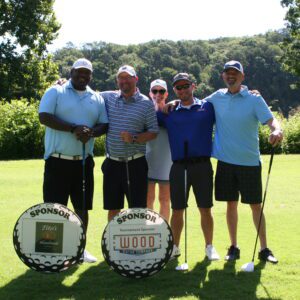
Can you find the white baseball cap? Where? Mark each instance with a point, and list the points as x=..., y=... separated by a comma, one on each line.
x=82, y=63
x=234, y=64
x=127, y=69
x=159, y=82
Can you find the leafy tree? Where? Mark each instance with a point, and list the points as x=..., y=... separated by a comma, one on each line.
x=26, y=28
x=291, y=44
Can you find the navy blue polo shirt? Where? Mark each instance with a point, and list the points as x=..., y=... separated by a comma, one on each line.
x=193, y=125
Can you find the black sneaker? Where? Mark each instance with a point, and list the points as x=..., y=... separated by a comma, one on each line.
x=233, y=253
x=267, y=255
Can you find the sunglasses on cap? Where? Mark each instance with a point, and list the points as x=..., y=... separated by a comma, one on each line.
x=182, y=87
x=158, y=91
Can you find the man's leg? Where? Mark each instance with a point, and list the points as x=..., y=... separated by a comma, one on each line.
x=112, y=213
x=256, y=211
x=164, y=200
x=177, y=224
x=151, y=195
x=113, y=191
x=84, y=216
x=207, y=225
x=232, y=221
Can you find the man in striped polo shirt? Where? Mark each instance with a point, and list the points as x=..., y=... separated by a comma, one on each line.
x=132, y=123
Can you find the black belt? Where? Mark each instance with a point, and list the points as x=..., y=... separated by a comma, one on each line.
x=192, y=160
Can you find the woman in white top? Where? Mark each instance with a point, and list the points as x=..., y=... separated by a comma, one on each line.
x=158, y=155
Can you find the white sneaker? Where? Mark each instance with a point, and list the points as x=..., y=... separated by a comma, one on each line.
x=88, y=257
x=212, y=253
x=175, y=253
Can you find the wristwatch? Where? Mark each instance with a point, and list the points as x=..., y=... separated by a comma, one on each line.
x=134, y=138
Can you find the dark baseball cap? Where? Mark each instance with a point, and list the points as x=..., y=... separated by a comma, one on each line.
x=182, y=76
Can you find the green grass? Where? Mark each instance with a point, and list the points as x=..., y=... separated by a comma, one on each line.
x=21, y=187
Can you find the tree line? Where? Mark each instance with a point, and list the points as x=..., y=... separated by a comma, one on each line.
x=271, y=60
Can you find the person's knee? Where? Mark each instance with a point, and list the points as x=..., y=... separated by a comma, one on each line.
x=256, y=207
x=205, y=212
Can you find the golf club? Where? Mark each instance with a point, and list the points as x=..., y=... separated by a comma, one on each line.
x=83, y=176
x=185, y=266
x=249, y=267
x=127, y=175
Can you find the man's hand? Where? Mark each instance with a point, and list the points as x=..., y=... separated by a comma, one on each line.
x=83, y=133
x=255, y=92
x=61, y=81
x=170, y=106
x=275, y=137
x=126, y=137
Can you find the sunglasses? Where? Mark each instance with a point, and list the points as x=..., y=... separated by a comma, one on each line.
x=158, y=91
x=182, y=87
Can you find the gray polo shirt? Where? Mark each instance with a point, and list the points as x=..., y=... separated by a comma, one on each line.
x=135, y=115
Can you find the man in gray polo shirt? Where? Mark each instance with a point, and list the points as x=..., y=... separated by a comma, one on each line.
x=132, y=123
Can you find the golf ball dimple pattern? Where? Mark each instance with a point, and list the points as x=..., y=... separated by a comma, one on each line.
x=47, y=263
x=142, y=268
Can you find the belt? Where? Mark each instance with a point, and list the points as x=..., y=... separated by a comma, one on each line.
x=124, y=159
x=193, y=160
x=68, y=157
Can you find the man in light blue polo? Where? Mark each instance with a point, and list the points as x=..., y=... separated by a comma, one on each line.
x=236, y=146
x=73, y=115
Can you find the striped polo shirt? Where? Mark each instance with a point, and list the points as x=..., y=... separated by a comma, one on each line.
x=135, y=115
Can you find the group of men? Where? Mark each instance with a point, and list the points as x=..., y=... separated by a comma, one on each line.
x=139, y=153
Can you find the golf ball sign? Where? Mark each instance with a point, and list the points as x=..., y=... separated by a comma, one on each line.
x=137, y=243
x=49, y=237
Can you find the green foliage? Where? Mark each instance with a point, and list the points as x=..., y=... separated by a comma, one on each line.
x=21, y=135
x=291, y=135
x=26, y=28
x=291, y=44
x=203, y=59
x=291, y=142
x=99, y=148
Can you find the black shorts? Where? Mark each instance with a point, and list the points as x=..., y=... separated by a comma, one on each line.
x=232, y=180
x=199, y=176
x=115, y=185
x=63, y=178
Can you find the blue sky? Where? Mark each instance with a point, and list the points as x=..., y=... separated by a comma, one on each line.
x=137, y=21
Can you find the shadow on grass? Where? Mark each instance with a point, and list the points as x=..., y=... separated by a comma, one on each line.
x=99, y=282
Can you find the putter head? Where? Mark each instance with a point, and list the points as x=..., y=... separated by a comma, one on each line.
x=183, y=267
x=248, y=267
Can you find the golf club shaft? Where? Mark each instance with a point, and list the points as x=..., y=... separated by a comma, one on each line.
x=186, y=200
x=83, y=176
x=263, y=204
x=127, y=175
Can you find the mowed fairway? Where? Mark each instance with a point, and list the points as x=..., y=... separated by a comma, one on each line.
x=21, y=187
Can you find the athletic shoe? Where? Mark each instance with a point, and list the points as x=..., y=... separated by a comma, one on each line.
x=175, y=253
x=267, y=255
x=88, y=257
x=233, y=253
x=212, y=253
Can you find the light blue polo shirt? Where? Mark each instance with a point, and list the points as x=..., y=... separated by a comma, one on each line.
x=237, y=119
x=66, y=103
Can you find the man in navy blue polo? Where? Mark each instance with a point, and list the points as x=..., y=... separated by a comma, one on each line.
x=190, y=128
